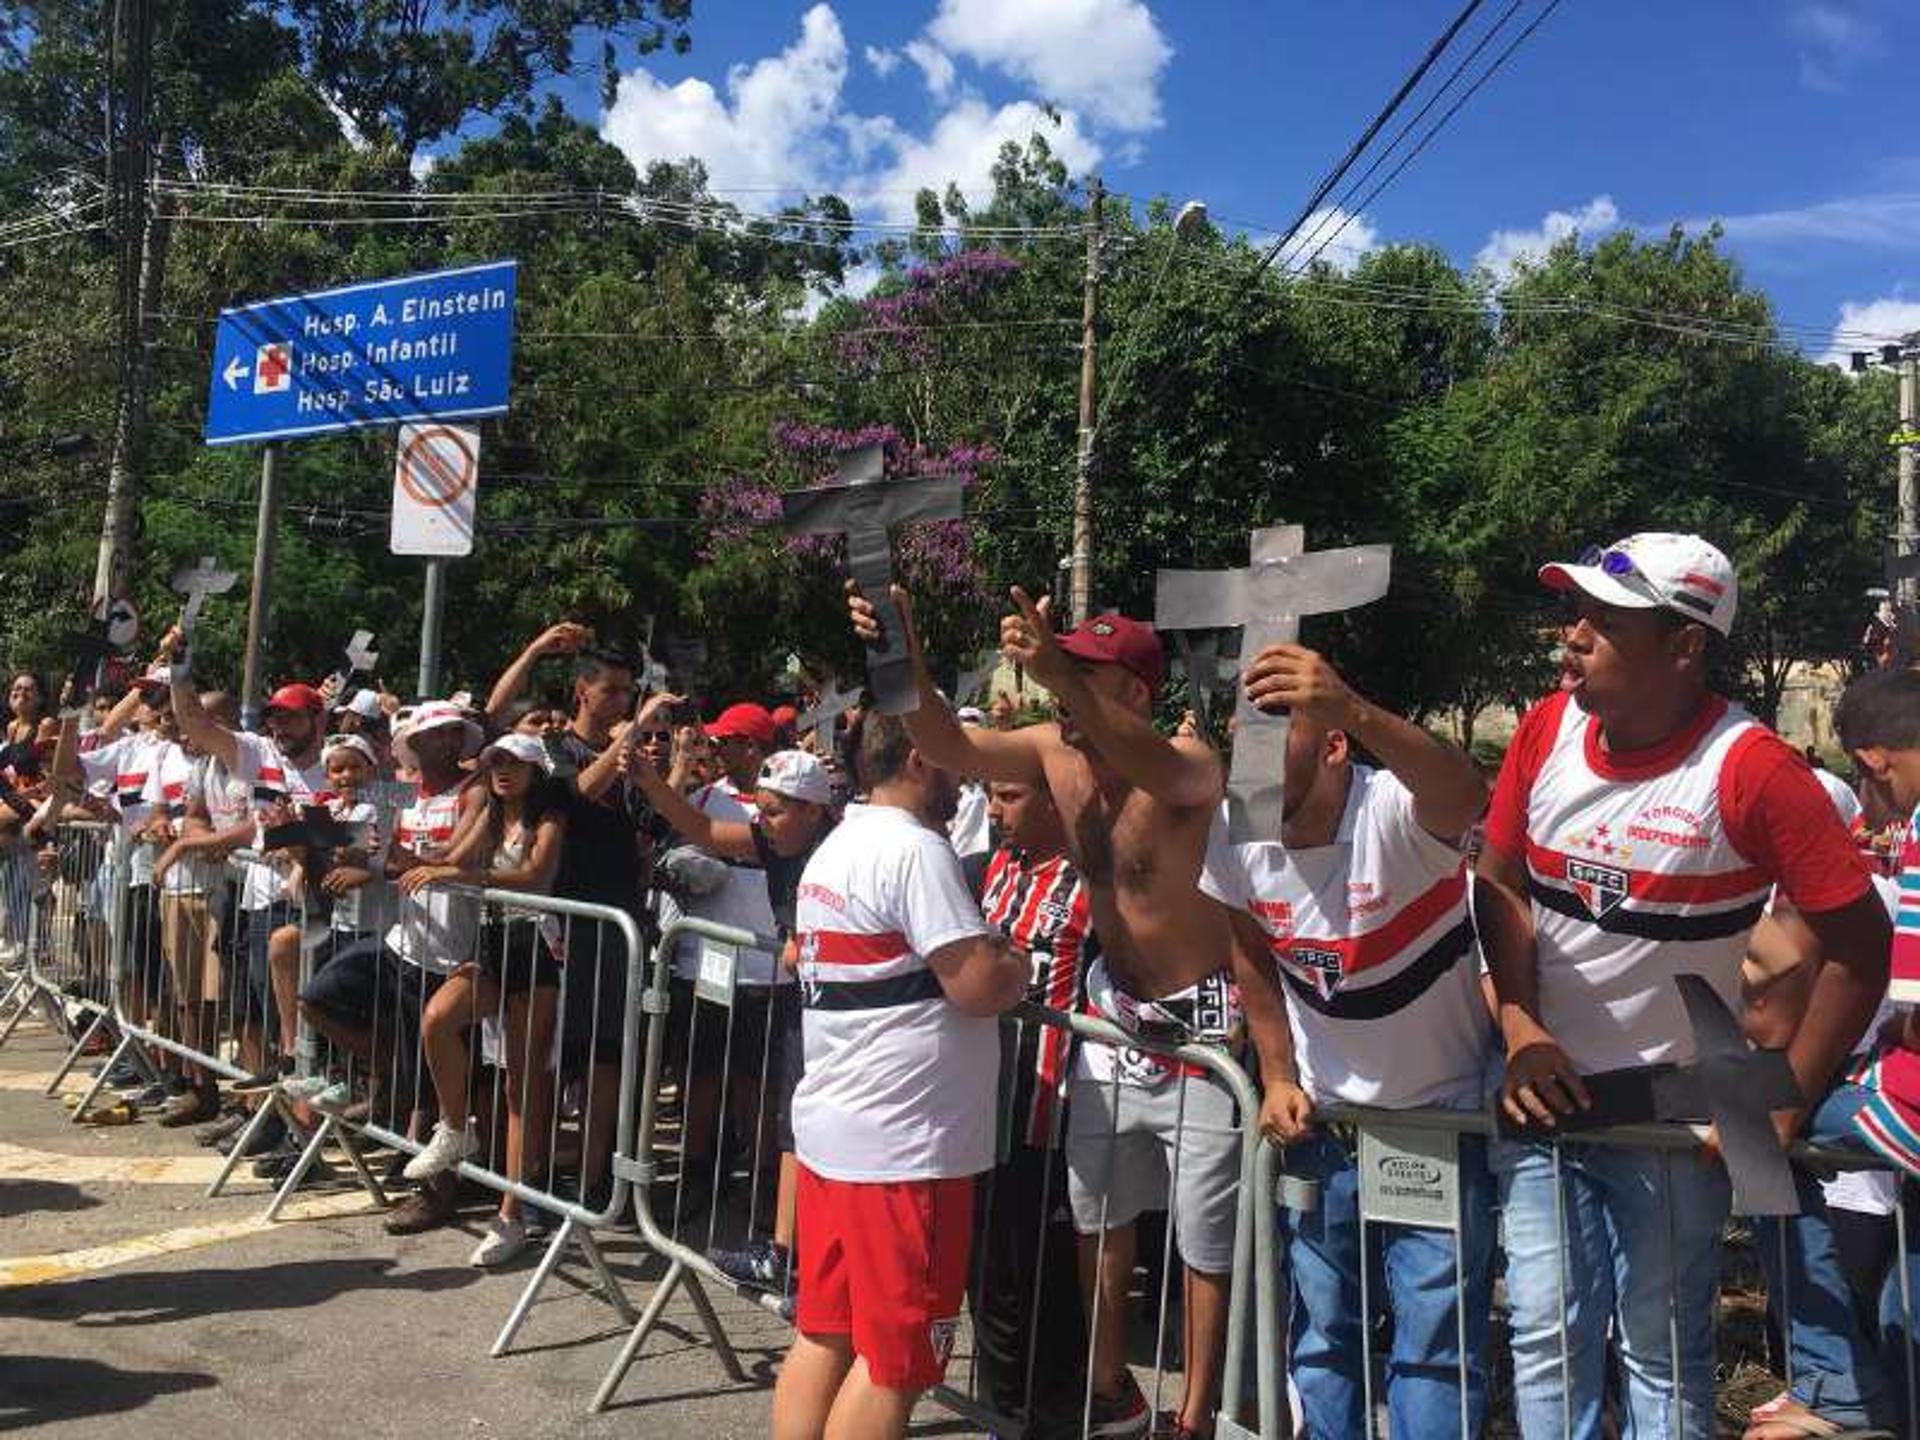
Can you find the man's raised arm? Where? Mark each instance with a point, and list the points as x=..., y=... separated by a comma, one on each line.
x=566, y=638
x=1448, y=793
x=198, y=728
x=1009, y=756
x=1183, y=772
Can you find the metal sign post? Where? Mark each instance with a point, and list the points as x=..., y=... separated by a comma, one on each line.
x=436, y=472
x=265, y=541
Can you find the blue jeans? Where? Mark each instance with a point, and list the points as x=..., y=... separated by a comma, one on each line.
x=1410, y=1271
x=1641, y=1249
x=1837, y=1368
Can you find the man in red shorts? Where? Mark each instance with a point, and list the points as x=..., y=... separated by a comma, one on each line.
x=901, y=979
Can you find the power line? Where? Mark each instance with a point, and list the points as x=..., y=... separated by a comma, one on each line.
x=1440, y=124
x=1333, y=177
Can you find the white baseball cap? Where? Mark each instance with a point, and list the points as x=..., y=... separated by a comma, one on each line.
x=1655, y=570
x=434, y=715
x=364, y=703
x=525, y=748
x=354, y=743
x=796, y=775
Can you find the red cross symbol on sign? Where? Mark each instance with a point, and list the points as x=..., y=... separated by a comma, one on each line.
x=272, y=369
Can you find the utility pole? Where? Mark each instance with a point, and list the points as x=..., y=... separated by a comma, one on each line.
x=1081, y=584
x=142, y=259
x=1908, y=494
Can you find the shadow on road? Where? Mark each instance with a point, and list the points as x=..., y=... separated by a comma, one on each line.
x=31, y=1197
x=40, y=1389
x=144, y=1297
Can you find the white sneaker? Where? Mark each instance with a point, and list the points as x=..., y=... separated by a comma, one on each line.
x=446, y=1149
x=504, y=1241
x=305, y=1088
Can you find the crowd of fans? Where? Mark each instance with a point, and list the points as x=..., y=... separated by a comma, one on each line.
x=917, y=877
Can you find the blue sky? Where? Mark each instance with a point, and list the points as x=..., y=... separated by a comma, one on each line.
x=1781, y=118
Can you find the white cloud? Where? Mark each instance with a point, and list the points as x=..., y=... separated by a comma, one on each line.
x=858, y=284
x=783, y=125
x=1869, y=324
x=1341, y=239
x=771, y=129
x=884, y=62
x=935, y=64
x=961, y=150
x=1102, y=57
x=1835, y=37
x=1505, y=249
x=1890, y=221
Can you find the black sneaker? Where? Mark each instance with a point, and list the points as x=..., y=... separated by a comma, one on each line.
x=270, y=1136
x=278, y=1165
x=1120, y=1417
x=151, y=1097
x=225, y=1128
x=762, y=1264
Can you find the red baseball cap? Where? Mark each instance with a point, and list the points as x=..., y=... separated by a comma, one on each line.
x=746, y=720
x=1113, y=639
x=784, y=715
x=296, y=697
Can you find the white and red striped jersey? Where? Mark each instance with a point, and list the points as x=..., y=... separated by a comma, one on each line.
x=1371, y=936
x=899, y=1083
x=275, y=780
x=1648, y=864
x=436, y=928
x=1042, y=907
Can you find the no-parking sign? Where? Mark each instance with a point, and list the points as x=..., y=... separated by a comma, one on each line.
x=436, y=479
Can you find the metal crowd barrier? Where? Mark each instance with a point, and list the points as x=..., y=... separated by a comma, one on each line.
x=186, y=996
x=1386, y=1135
x=22, y=921
x=683, y=1144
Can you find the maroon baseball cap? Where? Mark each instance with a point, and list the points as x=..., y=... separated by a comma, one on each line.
x=296, y=697
x=1113, y=639
x=746, y=720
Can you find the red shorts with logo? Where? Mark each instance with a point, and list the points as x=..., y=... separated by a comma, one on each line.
x=885, y=1263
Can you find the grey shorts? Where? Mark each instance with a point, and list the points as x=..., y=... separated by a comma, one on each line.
x=1128, y=1145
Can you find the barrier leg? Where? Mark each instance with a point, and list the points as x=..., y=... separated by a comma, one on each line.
x=609, y=1284
x=300, y=1168
x=73, y=1055
x=369, y=1182
x=99, y=1081
x=241, y=1142
x=33, y=996
x=541, y=1274
x=630, y=1350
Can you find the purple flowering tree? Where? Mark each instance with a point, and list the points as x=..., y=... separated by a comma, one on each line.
x=759, y=593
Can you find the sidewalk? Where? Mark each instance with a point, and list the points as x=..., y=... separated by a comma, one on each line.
x=131, y=1305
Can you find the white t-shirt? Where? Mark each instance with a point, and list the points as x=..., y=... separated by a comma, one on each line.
x=899, y=1084
x=175, y=778
x=274, y=779
x=1375, y=951
x=436, y=928
x=970, y=829
x=741, y=901
x=122, y=771
x=369, y=909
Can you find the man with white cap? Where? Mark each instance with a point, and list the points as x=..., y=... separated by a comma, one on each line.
x=1638, y=825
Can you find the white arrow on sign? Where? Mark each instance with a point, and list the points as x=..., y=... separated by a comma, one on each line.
x=234, y=373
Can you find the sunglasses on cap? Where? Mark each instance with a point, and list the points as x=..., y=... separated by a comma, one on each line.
x=1616, y=563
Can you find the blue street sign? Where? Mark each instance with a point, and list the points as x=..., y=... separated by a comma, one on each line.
x=419, y=347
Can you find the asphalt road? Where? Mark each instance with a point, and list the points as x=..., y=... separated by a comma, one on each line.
x=131, y=1305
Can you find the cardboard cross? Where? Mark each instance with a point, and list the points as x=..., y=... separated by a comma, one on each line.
x=1282, y=583
x=828, y=706
x=361, y=656
x=89, y=650
x=197, y=583
x=864, y=506
x=1744, y=1087
x=1728, y=1082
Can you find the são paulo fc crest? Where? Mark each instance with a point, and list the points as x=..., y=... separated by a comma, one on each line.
x=1600, y=887
x=1322, y=965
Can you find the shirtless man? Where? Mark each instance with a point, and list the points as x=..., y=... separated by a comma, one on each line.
x=1137, y=809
